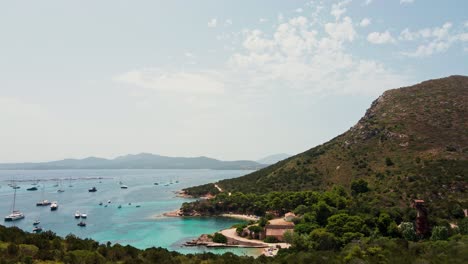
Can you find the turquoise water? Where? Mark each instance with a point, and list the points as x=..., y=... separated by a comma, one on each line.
x=141, y=227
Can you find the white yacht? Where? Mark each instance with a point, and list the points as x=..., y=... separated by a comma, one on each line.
x=77, y=214
x=15, y=214
x=54, y=206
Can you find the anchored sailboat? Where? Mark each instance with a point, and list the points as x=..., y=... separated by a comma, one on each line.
x=15, y=214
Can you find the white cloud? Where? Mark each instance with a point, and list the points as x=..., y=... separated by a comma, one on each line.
x=465, y=24
x=380, y=38
x=406, y=1
x=341, y=30
x=406, y=34
x=368, y=2
x=433, y=40
x=429, y=49
x=228, y=22
x=338, y=9
x=213, y=23
x=463, y=37
x=294, y=57
x=299, y=10
x=262, y=20
x=197, y=82
x=298, y=57
x=365, y=22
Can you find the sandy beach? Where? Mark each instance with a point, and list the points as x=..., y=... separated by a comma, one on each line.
x=270, y=249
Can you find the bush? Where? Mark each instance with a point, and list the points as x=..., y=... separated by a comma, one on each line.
x=407, y=231
x=439, y=233
x=219, y=238
x=359, y=186
x=389, y=162
x=463, y=226
x=271, y=239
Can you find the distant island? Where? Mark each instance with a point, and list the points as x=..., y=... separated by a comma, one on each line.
x=138, y=161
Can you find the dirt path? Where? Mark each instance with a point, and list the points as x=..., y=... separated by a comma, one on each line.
x=219, y=188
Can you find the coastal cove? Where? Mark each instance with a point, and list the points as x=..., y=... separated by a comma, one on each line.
x=141, y=227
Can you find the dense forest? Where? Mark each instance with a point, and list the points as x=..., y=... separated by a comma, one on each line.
x=17, y=246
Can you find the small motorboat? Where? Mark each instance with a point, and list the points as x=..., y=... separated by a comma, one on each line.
x=60, y=191
x=15, y=187
x=156, y=183
x=138, y=206
x=105, y=205
x=100, y=203
x=129, y=203
x=77, y=214
x=120, y=206
x=82, y=224
x=92, y=189
x=43, y=203
x=54, y=206
x=84, y=216
x=36, y=222
x=34, y=188
x=108, y=201
x=123, y=187
x=37, y=229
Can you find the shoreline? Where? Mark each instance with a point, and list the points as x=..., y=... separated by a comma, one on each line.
x=178, y=213
x=241, y=217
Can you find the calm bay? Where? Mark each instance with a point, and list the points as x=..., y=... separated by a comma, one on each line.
x=138, y=223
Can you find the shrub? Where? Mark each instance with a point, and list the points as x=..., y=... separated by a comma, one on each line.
x=219, y=238
x=359, y=186
x=439, y=233
x=463, y=226
x=389, y=162
x=271, y=239
x=407, y=231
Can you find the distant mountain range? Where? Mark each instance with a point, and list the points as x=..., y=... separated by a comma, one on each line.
x=138, y=161
x=272, y=159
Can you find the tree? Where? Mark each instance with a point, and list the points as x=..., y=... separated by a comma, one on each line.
x=439, y=233
x=359, y=186
x=262, y=222
x=323, y=240
x=219, y=238
x=457, y=212
x=407, y=231
x=340, y=224
x=463, y=226
x=301, y=209
x=322, y=212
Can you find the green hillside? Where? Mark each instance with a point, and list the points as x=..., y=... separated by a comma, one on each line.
x=412, y=142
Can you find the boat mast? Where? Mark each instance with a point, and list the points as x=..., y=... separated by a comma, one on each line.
x=14, y=201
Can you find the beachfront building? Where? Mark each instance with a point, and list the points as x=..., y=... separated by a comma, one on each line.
x=277, y=227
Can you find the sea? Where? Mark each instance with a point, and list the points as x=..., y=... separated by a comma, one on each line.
x=139, y=222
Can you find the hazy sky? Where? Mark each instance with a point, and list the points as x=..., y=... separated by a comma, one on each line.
x=225, y=79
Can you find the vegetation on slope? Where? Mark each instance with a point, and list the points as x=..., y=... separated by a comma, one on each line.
x=411, y=143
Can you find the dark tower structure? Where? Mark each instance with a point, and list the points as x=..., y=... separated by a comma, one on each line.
x=422, y=225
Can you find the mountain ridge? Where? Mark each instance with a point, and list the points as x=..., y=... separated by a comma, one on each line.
x=411, y=143
x=137, y=161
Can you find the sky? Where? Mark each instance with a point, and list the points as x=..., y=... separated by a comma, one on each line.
x=226, y=79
